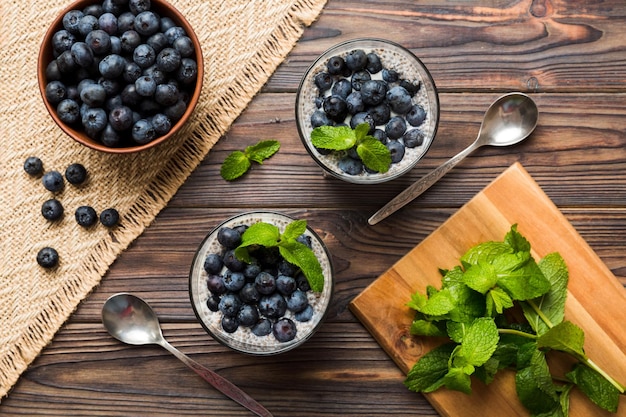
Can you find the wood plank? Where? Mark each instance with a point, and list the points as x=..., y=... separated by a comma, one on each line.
x=513, y=198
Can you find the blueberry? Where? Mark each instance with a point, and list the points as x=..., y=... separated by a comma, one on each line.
x=390, y=75
x=350, y=166
x=116, y=45
x=373, y=92
x=175, y=111
x=147, y=23
x=380, y=135
x=53, y=73
x=159, y=76
x=262, y=328
x=75, y=174
x=356, y=60
x=303, y=282
x=94, y=120
x=187, y=71
x=87, y=23
x=304, y=315
x=284, y=330
x=395, y=128
x=397, y=151
x=184, y=46
x=65, y=63
x=399, y=99
x=230, y=324
x=108, y=23
x=248, y=315
x=131, y=72
x=215, y=284
x=112, y=66
x=228, y=237
x=158, y=41
x=249, y=294
x=121, y=118
x=416, y=115
x=265, y=283
x=411, y=87
x=272, y=306
x=33, y=166
x=68, y=111
x=374, y=65
x=251, y=271
x=71, y=20
x=98, y=41
x=381, y=114
x=166, y=94
x=125, y=22
x=342, y=88
x=48, y=257
x=95, y=10
x=144, y=55
x=138, y=6
x=143, y=131
x=110, y=137
x=234, y=281
x=168, y=60
x=52, y=209
x=62, y=40
x=55, y=92
x=362, y=117
x=166, y=23
x=413, y=138
x=130, y=40
x=213, y=263
x=53, y=181
x=129, y=95
x=93, y=95
x=86, y=216
x=336, y=108
x=174, y=33
x=230, y=304
x=109, y=217
x=354, y=103
x=323, y=81
x=319, y=118
x=286, y=284
x=297, y=301
x=162, y=124
x=232, y=262
x=213, y=303
x=336, y=65
x=358, y=78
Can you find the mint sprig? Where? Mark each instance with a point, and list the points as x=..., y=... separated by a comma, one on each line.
x=238, y=163
x=470, y=309
x=268, y=235
x=372, y=152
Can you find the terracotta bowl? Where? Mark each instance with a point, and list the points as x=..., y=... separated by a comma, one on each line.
x=76, y=132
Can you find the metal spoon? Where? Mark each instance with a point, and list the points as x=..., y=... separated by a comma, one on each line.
x=509, y=120
x=130, y=319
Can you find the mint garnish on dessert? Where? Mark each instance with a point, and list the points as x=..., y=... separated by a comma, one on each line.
x=295, y=252
x=238, y=163
x=372, y=152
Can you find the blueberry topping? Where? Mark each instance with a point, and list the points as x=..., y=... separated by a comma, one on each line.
x=304, y=315
x=230, y=305
x=213, y=263
x=284, y=330
x=272, y=306
x=416, y=115
x=228, y=237
x=262, y=328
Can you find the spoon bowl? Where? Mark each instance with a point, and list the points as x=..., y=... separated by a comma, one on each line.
x=509, y=120
x=131, y=320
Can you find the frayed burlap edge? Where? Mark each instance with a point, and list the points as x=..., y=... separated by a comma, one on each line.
x=174, y=172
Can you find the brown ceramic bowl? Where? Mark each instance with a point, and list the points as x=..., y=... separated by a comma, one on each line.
x=76, y=132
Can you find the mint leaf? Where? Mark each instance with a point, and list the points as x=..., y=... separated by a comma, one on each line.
x=428, y=372
x=525, y=282
x=262, y=234
x=234, y=166
x=479, y=342
x=497, y=301
x=262, y=150
x=481, y=277
x=533, y=381
x=361, y=131
x=294, y=229
x=422, y=327
x=439, y=303
x=456, y=331
x=335, y=138
x=516, y=241
x=485, y=252
x=457, y=379
x=551, y=305
x=565, y=337
x=238, y=163
x=595, y=386
x=374, y=154
x=303, y=257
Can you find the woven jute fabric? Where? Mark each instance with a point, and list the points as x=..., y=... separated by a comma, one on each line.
x=243, y=41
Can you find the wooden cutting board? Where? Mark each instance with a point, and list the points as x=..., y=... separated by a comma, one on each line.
x=596, y=300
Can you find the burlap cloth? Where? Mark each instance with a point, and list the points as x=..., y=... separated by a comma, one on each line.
x=243, y=42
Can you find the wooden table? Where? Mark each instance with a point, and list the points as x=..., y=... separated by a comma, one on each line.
x=569, y=55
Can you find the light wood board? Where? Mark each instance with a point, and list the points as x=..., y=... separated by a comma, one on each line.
x=596, y=300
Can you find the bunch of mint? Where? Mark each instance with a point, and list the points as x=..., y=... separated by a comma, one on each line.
x=470, y=308
x=293, y=251
x=372, y=152
x=238, y=163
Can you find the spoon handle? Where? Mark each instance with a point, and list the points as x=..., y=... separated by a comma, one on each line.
x=421, y=185
x=220, y=383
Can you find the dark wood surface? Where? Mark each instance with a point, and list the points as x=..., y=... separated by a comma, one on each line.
x=569, y=55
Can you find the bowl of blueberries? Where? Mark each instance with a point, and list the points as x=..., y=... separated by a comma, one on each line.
x=120, y=76
x=367, y=110
x=261, y=282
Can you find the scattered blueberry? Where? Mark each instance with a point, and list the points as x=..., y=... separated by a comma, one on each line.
x=75, y=174
x=109, y=217
x=48, y=257
x=53, y=181
x=86, y=216
x=33, y=166
x=52, y=209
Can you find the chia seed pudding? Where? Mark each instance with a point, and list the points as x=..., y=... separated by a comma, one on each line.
x=392, y=57
x=243, y=339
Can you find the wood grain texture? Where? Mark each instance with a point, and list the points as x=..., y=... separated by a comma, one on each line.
x=569, y=55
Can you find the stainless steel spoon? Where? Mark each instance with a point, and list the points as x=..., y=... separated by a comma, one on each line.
x=509, y=120
x=131, y=320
